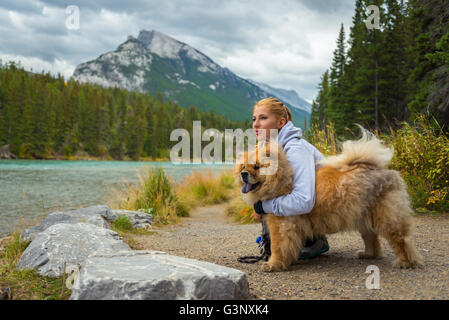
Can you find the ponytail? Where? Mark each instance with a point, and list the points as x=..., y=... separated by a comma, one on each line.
x=276, y=107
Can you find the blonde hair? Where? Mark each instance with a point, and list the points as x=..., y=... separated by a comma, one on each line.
x=275, y=106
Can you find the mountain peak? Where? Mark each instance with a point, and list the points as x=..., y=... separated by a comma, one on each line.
x=160, y=44
x=146, y=37
x=167, y=47
x=155, y=62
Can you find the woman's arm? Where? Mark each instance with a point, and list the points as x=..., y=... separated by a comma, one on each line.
x=302, y=198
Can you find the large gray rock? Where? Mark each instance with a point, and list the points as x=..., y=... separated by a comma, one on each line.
x=69, y=243
x=138, y=219
x=95, y=215
x=156, y=275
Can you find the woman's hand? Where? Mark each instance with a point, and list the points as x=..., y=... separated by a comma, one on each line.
x=258, y=211
x=257, y=217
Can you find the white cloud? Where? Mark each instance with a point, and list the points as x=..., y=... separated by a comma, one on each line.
x=285, y=44
x=38, y=65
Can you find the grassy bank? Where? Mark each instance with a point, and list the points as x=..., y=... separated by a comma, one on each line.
x=26, y=284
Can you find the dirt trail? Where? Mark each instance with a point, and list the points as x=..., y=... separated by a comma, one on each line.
x=209, y=235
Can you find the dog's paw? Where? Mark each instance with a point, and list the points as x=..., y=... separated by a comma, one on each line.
x=403, y=264
x=267, y=267
x=272, y=266
x=363, y=255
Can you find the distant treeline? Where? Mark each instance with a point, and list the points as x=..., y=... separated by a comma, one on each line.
x=390, y=74
x=45, y=117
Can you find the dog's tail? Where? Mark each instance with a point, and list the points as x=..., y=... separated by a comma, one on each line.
x=368, y=150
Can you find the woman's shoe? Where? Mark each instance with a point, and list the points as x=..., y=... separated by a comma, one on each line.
x=314, y=249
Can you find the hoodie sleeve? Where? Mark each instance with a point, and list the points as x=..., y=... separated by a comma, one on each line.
x=302, y=198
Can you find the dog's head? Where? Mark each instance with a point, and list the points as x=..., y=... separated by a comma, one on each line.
x=262, y=170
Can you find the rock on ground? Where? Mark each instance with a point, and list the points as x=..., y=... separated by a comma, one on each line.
x=138, y=219
x=156, y=275
x=95, y=215
x=69, y=243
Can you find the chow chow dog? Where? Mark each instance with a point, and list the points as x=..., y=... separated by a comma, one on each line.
x=354, y=191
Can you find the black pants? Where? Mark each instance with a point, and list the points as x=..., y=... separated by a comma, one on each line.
x=311, y=241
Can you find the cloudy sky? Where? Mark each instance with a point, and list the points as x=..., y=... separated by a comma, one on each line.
x=283, y=43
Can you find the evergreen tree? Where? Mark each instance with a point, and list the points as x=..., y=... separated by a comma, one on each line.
x=336, y=107
x=318, y=115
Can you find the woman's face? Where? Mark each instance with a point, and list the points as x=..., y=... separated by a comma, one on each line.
x=264, y=119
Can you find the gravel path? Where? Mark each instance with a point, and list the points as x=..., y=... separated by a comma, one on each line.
x=211, y=236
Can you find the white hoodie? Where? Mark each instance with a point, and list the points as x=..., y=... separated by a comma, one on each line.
x=302, y=157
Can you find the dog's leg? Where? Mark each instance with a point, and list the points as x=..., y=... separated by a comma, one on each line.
x=393, y=221
x=285, y=243
x=373, y=249
x=407, y=256
x=275, y=262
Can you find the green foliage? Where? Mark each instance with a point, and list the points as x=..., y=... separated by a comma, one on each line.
x=422, y=157
x=123, y=223
x=13, y=251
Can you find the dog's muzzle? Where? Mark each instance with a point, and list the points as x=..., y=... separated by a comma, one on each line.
x=244, y=176
x=247, y=185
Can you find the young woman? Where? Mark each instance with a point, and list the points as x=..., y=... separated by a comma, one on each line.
x=270, y=113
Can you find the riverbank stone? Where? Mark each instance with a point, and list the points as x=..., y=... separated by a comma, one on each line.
x=70, y=244
x=150, y=275
x=94, y=215
x=138, y=219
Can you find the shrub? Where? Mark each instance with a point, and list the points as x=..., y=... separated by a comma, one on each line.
x=324, y=140
x=123, y=223
x=421, y=154
x=154, y=191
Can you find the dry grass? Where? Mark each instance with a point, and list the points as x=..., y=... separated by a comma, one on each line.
x=325, y=141
x=205, y=188
x=239, y=210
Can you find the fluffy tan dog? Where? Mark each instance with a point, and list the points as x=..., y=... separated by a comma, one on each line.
x=354, y=191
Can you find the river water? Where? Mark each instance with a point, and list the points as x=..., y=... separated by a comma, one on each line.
x=30, y=189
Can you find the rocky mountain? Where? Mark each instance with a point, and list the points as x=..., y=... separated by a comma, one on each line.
x=155, y=62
